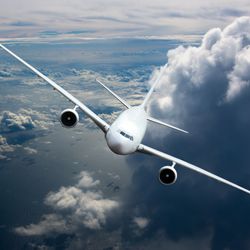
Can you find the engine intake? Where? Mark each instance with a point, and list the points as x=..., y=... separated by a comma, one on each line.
x=69, y=118
x=167, y=175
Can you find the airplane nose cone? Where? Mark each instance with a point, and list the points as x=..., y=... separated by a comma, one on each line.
x=116, y=144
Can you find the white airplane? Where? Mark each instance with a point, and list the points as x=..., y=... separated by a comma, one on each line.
x=125, y=134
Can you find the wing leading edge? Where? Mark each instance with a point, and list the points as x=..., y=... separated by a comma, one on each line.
x=94, y=117
x=148, y=150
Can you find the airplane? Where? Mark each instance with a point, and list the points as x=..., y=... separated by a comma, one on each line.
x=124, y=136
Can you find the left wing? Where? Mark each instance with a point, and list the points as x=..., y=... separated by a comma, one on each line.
x=94, y=117
x=114, y=94
x=148, y=150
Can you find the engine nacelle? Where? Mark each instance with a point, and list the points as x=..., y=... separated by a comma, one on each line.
x=69, y=118
x=167, y=175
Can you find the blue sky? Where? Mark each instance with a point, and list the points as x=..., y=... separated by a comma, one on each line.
x=115, y=18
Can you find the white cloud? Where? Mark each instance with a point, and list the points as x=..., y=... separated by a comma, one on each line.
x=75, y=207
x=86, y=180
x=5, y=147
x=141, y=222
x=24, y=119
x=30, y=151
x=115, y=18
x=50, y=223
x=89, y=207
x=2, y=140
x=15, y=122
x=238, y=28
x=239, y=78
x=223, y=54
x=3, y=157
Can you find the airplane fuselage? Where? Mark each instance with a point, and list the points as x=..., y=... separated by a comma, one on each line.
x=127, y=131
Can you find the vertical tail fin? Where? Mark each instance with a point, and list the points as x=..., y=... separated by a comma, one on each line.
x=153, y=86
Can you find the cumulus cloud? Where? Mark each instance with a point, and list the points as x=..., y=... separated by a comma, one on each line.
x=5, y=147
x=141, y=222
x=239, y=78
x=75, y=206
x=87, y=206
x=50, y=223
x=86, y=180
x=30, y=151
x=24, y=119
x=223, y=54
x=15, y=122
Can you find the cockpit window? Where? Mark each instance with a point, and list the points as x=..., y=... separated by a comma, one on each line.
x=131, y=138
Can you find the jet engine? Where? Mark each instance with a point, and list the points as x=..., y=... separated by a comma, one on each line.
x=69, y=118
x=167, y=175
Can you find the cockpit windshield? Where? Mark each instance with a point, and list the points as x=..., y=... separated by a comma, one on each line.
x=131, y=138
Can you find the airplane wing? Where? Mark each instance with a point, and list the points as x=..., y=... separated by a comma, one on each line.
x=114, y=94
x=166, y=124
x=94, y=117
x=148, y=150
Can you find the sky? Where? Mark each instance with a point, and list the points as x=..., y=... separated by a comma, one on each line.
x=115, y=18
x=63, y=188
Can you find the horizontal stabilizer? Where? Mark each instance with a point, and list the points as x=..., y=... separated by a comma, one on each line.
x=165, y=124
x=114, y=94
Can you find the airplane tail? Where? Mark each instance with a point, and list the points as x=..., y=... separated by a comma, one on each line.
x=151, y=119
x=144, y=103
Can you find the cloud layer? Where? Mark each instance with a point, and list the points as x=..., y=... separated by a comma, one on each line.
x=115, y=18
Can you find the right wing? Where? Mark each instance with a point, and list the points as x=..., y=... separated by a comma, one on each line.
x=148, y=150
x=94, y=117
